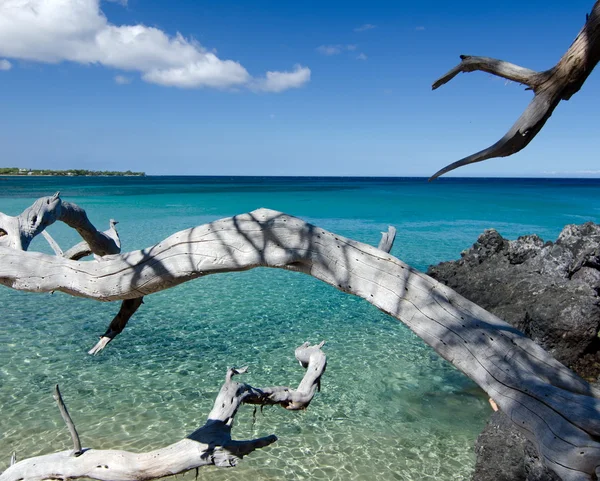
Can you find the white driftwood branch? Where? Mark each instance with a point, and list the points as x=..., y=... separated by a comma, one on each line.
x=387, y=239
x=128, y=309
x=209, y=445
x=550, y=87
x=554, y=408
x=18, y=232
x=83, y=249
x=21, y=230
x=55, y=247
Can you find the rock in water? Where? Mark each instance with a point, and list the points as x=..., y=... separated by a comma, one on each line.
x=503, y=454
x=548, y=290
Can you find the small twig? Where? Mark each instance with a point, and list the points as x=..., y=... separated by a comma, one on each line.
x=128, y=309
x=387, y=239
x=68, y=421
x=55, y=247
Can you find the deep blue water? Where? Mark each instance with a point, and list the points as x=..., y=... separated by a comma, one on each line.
x=390, y=408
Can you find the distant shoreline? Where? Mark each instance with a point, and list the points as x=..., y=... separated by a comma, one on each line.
x=19, y=172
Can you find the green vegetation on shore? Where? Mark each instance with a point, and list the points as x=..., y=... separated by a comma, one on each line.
x=68, y=173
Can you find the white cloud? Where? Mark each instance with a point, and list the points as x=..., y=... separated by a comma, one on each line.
x=209, y=71
x=330, y=50
x=5, y=64
x=419, y=29
x=54, y=31
x=122, y=2
x=122, y=80
x=280, y=81
x=365, y=27
x=362, y=56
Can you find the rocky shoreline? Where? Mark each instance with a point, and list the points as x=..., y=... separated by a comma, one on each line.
x=548, y=290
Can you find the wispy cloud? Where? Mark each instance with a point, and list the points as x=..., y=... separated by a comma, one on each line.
x=330, y=50
x=78, y=31
x=122, y=2
x=361, y=56
x=365, y=27
x=5, y=64
x=420, y=28
x=122, y=80
x=280, y=81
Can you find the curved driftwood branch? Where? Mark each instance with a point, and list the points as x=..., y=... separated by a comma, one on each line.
x=209, y=445
x=83, y=249
x=53, y=244
x=21, y=230
x=18, y=232
x=387, y=239
x=554, y=408
x=550, y=87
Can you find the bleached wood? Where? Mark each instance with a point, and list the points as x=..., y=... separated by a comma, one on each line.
x=84, y=249
x=387, y=239
x=18, y=232
x=550, y=87
x=53, y=244
x=551, y=405
x=22, y=229
x=209, y=445
x=503, y=69
x=128, y=309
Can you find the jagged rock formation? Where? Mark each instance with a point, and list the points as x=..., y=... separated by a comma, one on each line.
x=503, y=454
x=550, y=291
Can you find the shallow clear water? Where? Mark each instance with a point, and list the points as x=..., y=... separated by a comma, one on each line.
x=390, y=408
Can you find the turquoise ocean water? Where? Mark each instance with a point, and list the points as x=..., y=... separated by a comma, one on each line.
x=389, y=408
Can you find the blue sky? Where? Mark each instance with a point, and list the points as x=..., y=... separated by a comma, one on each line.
x=111, y=85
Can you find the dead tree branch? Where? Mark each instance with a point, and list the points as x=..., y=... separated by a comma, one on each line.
x=209, y=445
x=558, y=411
x=387, y=239
x=550, y=87
x=128, y=309
x=18, y=232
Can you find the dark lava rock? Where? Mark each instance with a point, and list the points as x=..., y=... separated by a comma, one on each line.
x=548, y=290
x=503, y=454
